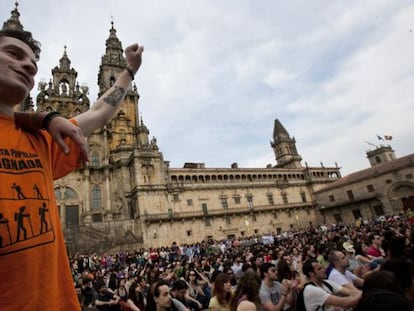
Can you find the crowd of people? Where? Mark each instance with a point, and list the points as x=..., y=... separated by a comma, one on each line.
x=342, y=267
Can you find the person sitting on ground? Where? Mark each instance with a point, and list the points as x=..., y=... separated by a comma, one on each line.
x=179, y=291
x=375, y=250
x=246, y=296
x=222, y=293
x=136, y=300
x=159, y=298
x=340, y=274
x=320, y=293
x=274, y=295
x=106, y=300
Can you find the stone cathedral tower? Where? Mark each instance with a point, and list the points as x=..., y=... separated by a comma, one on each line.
x=284, y=148
x=99, y=202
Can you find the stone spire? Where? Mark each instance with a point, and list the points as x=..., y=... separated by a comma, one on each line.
x=284, y=148
x=112, y=62
x=13, y=22
x=64, y=62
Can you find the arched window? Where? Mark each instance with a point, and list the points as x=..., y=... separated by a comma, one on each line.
x=58, y=194
x=111, y=80
x=95, y=159
x=70, y=194
x=96, y=197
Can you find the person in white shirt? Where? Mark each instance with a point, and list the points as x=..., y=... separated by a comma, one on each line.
x=320, y=293
x=340, y=274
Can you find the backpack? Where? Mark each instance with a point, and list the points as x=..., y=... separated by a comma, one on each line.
x=300, y=301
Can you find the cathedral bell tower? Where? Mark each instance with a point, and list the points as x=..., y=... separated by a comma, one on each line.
x=14, y=21
x=123, y=127
x=284, y=148
x=63, y=92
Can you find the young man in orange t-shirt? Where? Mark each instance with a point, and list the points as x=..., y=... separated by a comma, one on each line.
x=34, y=267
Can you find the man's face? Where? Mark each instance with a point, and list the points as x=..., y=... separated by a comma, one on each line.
x=377, y=241
x=319, y=271
x=342, y=261
x=181, y=293
x=164, y=299
x=17, y=70
x=272, y=273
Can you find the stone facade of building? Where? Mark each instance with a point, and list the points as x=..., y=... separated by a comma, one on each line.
x=386, y=188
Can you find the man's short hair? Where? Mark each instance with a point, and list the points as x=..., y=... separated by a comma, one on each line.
x=24, y=36
x=307, y=267
x=264, y=268
x=179, y=285
x=332, y=257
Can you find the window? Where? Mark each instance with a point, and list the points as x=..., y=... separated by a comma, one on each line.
x=249, y=198
x=388, y=181
x=70, y=194
x=409, y=176
x=303, y=196
x=170, y=213
x=224, y=204
x=228, y=220
x=95, y=162
x=97, y=217
x=190, y=202
x=96, y=197
x=254, y=218
x=350, y=195
x=370, y=188
x=285, y=198
x=237, y=200
x=332, y=198
x=176, y=197
x=356, y=213
x=189, y=233
x=379, y=211
x=58, y=194
x=270, y=199
x=204, y=208
x=207, y=222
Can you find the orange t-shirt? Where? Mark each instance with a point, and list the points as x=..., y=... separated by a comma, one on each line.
x=34, y=267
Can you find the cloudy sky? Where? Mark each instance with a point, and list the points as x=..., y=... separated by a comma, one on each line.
x=217, y=73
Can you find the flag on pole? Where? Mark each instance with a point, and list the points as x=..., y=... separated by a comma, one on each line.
x=388, y=137
x=379, y=137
